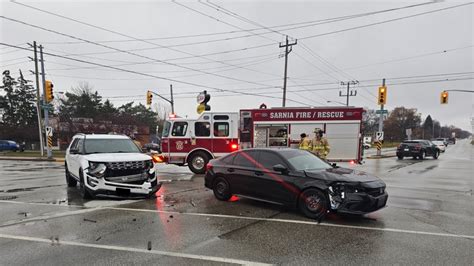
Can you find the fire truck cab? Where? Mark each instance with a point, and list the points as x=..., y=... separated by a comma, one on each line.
x=196, y=141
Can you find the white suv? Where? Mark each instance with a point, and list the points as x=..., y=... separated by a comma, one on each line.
x=109, y=165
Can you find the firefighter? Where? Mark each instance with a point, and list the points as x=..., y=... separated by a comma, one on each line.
x=305, y=142
x=320, y=145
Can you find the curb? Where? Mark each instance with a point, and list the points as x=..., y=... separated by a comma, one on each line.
x=381, y=156
x=35, y=159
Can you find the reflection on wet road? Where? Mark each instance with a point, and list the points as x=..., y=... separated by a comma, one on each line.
x=428, y=220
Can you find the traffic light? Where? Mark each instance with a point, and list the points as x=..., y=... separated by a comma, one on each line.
x=203, y=98
x=444, y=97
x=149, y=97
x=49, y=91
x=382, y=95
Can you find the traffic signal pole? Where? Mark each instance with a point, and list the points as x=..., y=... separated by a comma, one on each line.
x=170, y=101
x=379, y=151
x=45, y=110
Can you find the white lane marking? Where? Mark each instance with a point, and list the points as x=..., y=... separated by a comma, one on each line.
x=130, y=249
x=52, y=216
x=266, y=219
x=39, y=203
x=298, y=222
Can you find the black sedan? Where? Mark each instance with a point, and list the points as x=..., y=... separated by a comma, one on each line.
x=295, y=178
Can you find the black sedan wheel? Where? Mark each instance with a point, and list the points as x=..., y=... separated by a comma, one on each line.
x=222, y=189
x=313, y=203
x=400, y=157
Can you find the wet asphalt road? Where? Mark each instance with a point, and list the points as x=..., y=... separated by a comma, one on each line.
x=429, y=220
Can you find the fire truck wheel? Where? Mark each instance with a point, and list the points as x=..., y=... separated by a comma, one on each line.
x=221, y=189
x=197, y=162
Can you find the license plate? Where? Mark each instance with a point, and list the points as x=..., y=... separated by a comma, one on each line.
x=407, y=149
x=123, y=191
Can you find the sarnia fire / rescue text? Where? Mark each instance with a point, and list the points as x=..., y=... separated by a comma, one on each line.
x=303, y=115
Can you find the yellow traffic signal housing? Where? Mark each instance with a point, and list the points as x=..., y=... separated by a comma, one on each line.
x=49, y=91
x=149, y=97
x=444, y=97
x=382, y=99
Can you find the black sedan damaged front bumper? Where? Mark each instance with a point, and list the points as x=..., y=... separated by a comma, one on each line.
x=357, y=199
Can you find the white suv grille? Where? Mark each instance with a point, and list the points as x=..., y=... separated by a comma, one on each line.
x=126, y=165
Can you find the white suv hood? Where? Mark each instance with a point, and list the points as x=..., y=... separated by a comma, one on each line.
x=116, y=157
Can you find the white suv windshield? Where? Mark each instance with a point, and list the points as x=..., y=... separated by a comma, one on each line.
x=110, y=146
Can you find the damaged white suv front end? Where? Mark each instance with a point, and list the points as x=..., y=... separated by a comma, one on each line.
x=110, y=165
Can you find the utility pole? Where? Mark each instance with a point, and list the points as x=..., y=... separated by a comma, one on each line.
x=288, y=49
x=46, y=110
x=172, y=101
x=379, y=151
x=38, y=97
x=349, y=92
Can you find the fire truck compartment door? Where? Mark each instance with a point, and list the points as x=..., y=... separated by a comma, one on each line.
x=260, y=137
x=343, y=139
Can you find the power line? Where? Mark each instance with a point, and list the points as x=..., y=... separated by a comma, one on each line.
x=383, y=22
x=127, y=52
x=270, y=28
x=127, y=36
x=153, y=76
x=121, y=34
x=253, y=34
x=176, y=71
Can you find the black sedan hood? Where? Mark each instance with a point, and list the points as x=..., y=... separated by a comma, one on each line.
x=342, y=175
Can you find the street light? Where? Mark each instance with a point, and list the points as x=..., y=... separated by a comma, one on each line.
x=341, y=103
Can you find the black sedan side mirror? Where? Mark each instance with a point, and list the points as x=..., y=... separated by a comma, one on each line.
x=280, y=168
x=334, y=165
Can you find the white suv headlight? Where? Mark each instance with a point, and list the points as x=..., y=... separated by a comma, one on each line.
x=97, y=169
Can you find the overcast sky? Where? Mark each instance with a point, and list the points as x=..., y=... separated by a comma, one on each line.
x=414, y=54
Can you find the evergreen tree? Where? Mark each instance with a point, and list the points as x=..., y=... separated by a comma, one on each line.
x=19, y=101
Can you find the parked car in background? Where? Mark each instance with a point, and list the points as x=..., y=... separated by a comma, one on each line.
x=295, y=178
x=366, y=145
x=417, y=149
x=440, y=144
x=444, y=140
x=152, y=147
x=452, y=141
x=9, y=145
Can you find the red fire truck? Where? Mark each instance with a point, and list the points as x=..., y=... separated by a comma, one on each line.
x=214, y=134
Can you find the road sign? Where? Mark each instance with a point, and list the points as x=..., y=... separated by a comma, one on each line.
x=381, y=111
x=49, y=131
x=47, y=106
x=378, y=144
x=379, y=136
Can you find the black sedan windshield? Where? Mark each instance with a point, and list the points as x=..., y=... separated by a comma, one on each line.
x=304, y=160
x=110, y=146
